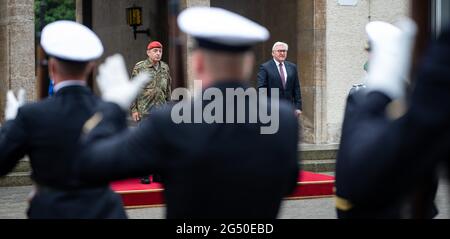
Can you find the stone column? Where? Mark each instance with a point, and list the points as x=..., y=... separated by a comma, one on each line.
x=189, y=41
x=79, y=11
x=311, y=58
x=17, y=49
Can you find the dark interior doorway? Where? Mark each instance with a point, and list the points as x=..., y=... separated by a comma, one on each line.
x=279, y=17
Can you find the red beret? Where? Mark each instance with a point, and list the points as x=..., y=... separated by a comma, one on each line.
x=154, y=44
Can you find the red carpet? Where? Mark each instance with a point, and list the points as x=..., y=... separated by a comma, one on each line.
x=136, y=195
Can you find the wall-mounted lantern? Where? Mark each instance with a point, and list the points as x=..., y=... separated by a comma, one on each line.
x=134, y=20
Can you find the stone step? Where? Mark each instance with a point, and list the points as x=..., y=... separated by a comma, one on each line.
x=306, y=154
x=317, y=155
x=22, y=166
x=20, y=175
x=314, y=158
x=16, y=179
x=316, y=166
x=319, y=166
x=318, y=152
x=329, y=173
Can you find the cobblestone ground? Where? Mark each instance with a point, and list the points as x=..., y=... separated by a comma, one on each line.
x=292, y=209
x=13, y=206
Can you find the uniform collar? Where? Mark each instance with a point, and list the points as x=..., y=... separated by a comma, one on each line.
x=152, y=65
x=67, y=83
x=73, y=88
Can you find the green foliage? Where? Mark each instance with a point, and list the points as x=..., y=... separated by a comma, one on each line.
x=54, y=10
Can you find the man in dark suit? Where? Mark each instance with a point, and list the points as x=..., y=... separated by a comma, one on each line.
x=282, y=75
x=211, y=170
x=386, y=160
x=48, y=131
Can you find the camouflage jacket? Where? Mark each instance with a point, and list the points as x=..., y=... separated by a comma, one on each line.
x=157, y=91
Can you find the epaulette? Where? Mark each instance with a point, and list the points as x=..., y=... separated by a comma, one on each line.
x=140, y=63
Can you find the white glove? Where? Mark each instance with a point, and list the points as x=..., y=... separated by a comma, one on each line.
x=114, y=83
x=391, y=54
x=13, y=104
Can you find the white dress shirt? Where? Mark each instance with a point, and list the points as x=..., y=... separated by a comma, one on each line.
x=284, y=70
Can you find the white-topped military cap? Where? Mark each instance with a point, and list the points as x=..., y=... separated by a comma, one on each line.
x=68, y=40
x=220, y=29
x=380, y=30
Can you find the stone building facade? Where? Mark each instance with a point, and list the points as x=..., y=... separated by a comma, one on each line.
x=17, y=50
x=326, y=41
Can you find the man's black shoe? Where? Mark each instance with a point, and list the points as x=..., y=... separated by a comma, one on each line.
x=145, y=180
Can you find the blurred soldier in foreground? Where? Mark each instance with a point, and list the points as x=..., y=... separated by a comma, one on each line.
x=362, y=85
x=48, y=131
x=156, y=92
x=210, y=170
x=384, y=159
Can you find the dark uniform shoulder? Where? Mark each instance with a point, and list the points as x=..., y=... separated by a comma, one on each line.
x=162, y=112
x=33, y=111
x=445, y=35
x=35, y=107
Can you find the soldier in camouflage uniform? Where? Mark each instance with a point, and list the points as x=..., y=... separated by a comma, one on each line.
x=156, y=92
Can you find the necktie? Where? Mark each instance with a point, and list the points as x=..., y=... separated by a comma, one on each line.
x=282, y=75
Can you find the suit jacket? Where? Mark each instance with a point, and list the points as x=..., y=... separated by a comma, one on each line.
x=269, y=77
x=48, y=132
x=382, y=162
x=213, y=170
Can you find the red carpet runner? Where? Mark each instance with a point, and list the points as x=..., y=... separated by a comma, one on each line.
x=137, y=195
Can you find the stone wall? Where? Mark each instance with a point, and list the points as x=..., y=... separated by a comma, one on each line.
x=17, y=49
x=311, y=32
x=109, y=22
x=345, y=40
x=189, y=42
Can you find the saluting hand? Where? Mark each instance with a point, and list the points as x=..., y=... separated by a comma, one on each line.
x=114, y=83
x=13, y=103
x=391, y=56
